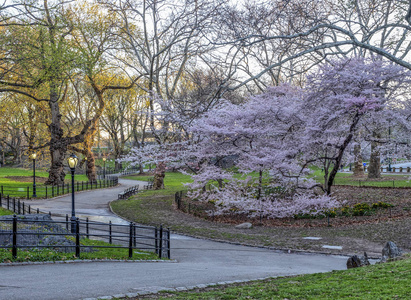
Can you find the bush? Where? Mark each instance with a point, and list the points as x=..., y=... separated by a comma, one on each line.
x=381, y=204
x=361, y=209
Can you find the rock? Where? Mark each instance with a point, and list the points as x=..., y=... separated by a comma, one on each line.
x=358, y=261
x=244, y=226
x=390, y=251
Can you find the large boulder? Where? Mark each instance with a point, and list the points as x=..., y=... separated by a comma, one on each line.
x=390, y=251
x=358, y=261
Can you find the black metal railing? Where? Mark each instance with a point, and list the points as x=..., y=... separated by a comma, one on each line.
x=20, y=233
x=57, y=190
x=17, y=206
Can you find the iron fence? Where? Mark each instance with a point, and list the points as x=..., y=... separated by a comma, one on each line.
x=57, y=190
x=17, y=232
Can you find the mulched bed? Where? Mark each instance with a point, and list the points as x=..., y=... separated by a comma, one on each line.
x=27, y=179
x=355, y=234
x=349, y=195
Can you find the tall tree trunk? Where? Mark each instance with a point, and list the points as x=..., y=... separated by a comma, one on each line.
x=91, y=167
x=338, y=159
x=374, y=168
x=58, y=146
x=358, y=166
x=159, y=174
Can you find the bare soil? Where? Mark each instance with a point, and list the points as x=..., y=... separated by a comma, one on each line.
x=27, y=179
x=355, y=234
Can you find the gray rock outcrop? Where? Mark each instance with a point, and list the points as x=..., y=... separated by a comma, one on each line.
x=390, y=251
x=357, y=261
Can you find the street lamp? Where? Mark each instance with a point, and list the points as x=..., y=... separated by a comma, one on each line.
x=104, y=168
x=33, y=157
x=85, y=166
x=72, y=161
x=389, y=152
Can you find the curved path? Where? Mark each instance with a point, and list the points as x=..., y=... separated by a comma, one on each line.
x=197, y=262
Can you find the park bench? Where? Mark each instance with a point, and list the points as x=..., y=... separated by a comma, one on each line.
x=149, y=185
x=128, y=192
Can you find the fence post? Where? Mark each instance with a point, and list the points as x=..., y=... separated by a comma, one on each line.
x=77, y=186
x=134, y=235
x=2, y=190
x=14, y=204
x=18, y=207
x=168, y=243
x=77, y=238
x=52, y=191
x=1, y=200
x=28, y=192
x=57, y=190
x=130, y=241
x=38, y=211
x=67, y=222
x=29, y=209
x=8, y=202
x=87, y=229
x=82, y=185
x=109, y=232
x=46, y=192
x=62, y=190
x=160, y=245
x=156, y=239
x=14, y=249
x=23, y=208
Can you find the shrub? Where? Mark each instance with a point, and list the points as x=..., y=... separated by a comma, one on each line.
x=381, y=204
x=361, y=209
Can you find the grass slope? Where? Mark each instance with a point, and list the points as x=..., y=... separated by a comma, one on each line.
x=385, y=281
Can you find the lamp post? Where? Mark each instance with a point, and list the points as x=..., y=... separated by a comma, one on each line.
x=85, y=166
x=389, y=152
x=72, y=161
x=33, y=157
x=104, y=168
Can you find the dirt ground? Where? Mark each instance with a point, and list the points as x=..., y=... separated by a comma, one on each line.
x=355, y=234
x=27, y=179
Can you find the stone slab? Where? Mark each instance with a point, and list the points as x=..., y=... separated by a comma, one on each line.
x=332, y=247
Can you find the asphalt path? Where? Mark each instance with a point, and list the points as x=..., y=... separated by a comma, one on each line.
x=196, y=262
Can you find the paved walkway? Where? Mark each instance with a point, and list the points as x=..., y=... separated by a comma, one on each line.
x=197, y=262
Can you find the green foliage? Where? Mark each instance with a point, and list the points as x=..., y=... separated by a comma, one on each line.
x=384, y=281
x=381, y=204
x=328, y=213
x=361, y=209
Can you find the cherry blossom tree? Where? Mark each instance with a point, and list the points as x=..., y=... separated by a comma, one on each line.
x=343, y=97
x=275, y=137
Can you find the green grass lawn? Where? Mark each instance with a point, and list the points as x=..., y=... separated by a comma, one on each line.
x=134, y=208
x=49, y=254
x=4, y=212
x=173, y=182
x=384, y=281
x=15, y=188
x=385, y=181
